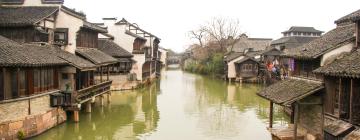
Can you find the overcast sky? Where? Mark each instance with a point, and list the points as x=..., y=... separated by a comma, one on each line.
x=171, y=20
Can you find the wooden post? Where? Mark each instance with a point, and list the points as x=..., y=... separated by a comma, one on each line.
x=101, y=73
x=351, y=101
x=292, y=117
x=296, y=120
x=357, y=44
x=88, y=107
x=108, y=73
x=271, y=114
x=76, y=115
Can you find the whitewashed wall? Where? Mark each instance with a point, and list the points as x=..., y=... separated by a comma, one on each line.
x=73, y=23
x=329, y=56
x=137, y=67
x=231, y=67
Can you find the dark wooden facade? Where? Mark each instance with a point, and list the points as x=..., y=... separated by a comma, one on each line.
x=23, y=82
x=87, y=38
x=138, y=45
x=26, y=34
x=247, y=69
x=304, y=68
x=342, y=99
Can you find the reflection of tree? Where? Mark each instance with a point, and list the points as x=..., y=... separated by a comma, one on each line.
x=221, y=106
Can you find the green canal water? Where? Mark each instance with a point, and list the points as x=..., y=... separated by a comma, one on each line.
x=180, y=106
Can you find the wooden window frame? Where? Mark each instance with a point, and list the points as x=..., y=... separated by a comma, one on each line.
x=64, y=31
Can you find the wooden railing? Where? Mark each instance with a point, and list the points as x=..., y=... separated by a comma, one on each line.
x=89, y=92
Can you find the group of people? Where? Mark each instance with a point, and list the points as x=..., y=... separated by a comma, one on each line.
x=277, y=70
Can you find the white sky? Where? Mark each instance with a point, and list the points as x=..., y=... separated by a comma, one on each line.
x=171, y=20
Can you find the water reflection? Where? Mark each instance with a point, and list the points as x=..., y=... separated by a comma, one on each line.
x=180, y=106
x=128, y=115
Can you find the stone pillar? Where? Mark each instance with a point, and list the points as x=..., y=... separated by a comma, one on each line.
x=88, y=107
x=76, y=116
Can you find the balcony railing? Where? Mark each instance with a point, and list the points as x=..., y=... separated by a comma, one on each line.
x=89, y=92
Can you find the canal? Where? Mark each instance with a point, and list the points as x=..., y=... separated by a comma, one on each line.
x=181, y=106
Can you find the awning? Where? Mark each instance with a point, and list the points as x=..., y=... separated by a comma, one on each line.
x=290, y=90
x=338, y=127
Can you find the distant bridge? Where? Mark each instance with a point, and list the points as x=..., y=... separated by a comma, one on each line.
x=173, y=59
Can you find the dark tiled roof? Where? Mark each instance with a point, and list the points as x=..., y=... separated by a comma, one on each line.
x=108, y=35
x=24, y=16
x=73, y=12
x=271, y=52
x=288, y=91
x=70, y=58
x=338, y=127
x=94, y=27
x=53, y=1
x=246, y=58
x=293, y=39
x=134, y=35
x=12, y=1
x=233, y=55
x=111, y=48
x=257, y=44
x=329, y=41
x=349, y=18
x=124, y=21
x=347, y=65
x=303, y=29
x=14, y=54
x=96, y=56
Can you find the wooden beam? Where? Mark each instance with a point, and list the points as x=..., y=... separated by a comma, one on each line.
x=296, y=120
x=339, y=98
x=101, y=72
x=357, y=44
x=351, y=101
x=108, y=73
x=3, y=84
x=271, y=114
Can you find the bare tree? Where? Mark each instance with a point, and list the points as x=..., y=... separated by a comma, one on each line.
x=220, y=29
x=199, y=35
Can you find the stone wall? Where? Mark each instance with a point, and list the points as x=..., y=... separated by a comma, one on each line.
x=310, y=118
x=15, y=117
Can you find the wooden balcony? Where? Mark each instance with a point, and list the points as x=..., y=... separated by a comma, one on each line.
x=88, y=93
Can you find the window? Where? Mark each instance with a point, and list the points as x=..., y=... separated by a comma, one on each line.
x=61, y=36
x=65, y=76
x=122, y=66
x=247, y=67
